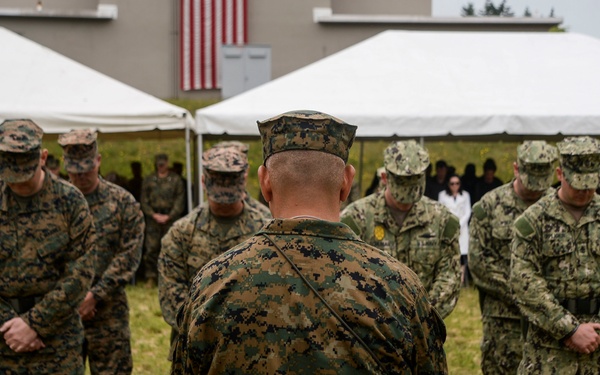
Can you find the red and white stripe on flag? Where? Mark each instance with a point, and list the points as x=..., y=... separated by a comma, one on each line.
x=204, y=26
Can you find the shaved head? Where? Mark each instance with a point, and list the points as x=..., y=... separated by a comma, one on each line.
x=306, y=171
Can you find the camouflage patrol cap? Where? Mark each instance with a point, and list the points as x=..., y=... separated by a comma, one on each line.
x=535, y=159
x=225, y=174
x=20, y=145
x=405, y=158
x=580, y=161
x=79, y=150
x=161, y=159
x=243, y=147
x=405, y=163
x=306, y=130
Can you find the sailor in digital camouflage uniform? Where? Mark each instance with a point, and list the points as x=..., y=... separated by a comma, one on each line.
x=248, y=199
x=418, y=231
x=47, y=246
x=489, y=253
x=119, y=226
x=215, y=226
x=555, y=268
x=163, y=202
x=250, y=310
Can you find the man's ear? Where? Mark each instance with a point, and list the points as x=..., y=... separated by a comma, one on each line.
x=349, y=173
x=265, y=183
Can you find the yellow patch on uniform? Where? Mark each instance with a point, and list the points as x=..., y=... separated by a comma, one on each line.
x=379, y=233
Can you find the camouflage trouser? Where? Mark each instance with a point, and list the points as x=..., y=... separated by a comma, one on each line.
x=543, y=354
x=154, y=233
x=62, y=362
x=502, y=347
x=107, y=338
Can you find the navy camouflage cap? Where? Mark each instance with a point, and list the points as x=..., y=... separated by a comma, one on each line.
x=243, y=147
x=79, y=150
x=535, y=159
x=405, y=158
x=405, y=163
x=20, y=146
x=580, y=161
x=225, y=174
x=306, y=130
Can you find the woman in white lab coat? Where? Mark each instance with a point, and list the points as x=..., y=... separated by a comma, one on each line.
x=458, y=202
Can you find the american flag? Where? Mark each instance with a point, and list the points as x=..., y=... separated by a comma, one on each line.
x=205, y=25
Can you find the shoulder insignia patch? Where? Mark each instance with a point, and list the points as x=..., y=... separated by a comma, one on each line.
x=452, y=227
x=478, y=212
x=523, y=227
x=379, y=232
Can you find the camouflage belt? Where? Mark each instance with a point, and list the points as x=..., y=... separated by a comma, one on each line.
x=581, y=306
x=24, y=304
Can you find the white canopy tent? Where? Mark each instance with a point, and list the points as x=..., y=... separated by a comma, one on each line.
x=60, y=94
x=419, y=84
x=428, y=84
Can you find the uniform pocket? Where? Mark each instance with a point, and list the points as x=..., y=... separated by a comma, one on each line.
x=50, y=249
x=558, y=252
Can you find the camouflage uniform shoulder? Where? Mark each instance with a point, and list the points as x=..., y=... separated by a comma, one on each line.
x=450, y=222
x=526, y=224
x=200, y=212
x=256, y=213
x=254, y=203
x=478, y=211
x=63, y=187
x=118, y=192
x=490, y=200
x=433, y=207
x=357, y=212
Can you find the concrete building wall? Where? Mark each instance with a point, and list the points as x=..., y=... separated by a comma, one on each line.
x=404, y=7
x=141, y=46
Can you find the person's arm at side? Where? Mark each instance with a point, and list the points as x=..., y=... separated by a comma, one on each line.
x=127, y=258
x=173, y=283
x=429, y=334
x=179, y=199
x=145, y=198
x=485, y=263
x=445, y=288
x=530, y=288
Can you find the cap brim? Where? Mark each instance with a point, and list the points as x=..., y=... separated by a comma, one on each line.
x=581, y=181
x=536, y=183
x=15, y=168
x=79, y=165
x=225, y=190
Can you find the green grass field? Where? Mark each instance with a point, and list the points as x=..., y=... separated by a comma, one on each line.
x=150, y=334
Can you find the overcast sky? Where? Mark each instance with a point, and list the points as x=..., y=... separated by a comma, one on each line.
x=581, y=16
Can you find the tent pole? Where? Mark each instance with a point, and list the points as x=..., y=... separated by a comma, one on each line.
x=199, y=182
x=360, y=166
x=188, y=162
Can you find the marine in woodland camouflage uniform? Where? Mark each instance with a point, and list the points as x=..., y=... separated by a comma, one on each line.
x=163, y=202
x=489, y=253
x=555, y=268
x=249, y=309
x=248, y=199
x=418, y=231
x=119, y=224
x=47, y=243
x=217, y=225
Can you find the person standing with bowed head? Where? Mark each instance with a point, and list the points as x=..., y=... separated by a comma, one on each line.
x=305, y=295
